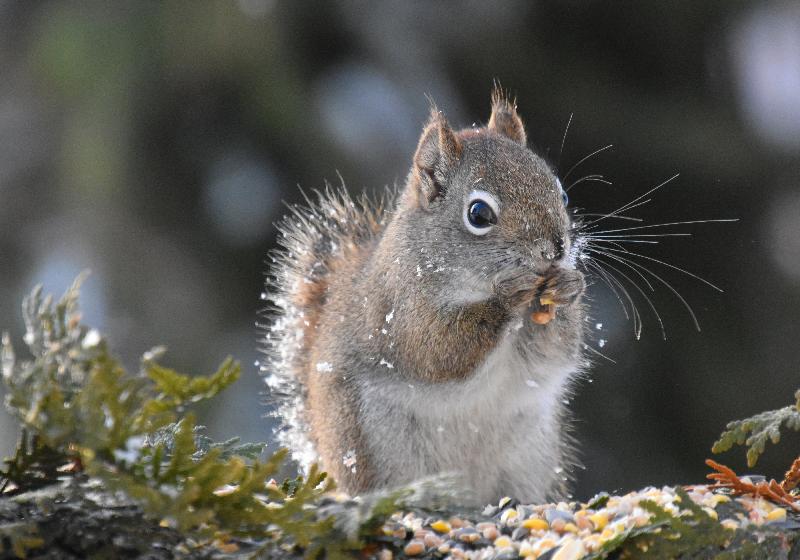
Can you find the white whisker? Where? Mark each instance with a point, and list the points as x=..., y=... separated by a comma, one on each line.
x=616, y=244
x=594, y=153
x=671, y=288
x=629, y=218
x=599, y=353
x=615, y=241
x=616, y=258
x=564, y=139
x=594, y=266
x=721, y=220
x=590, y=178
x=695, y=276
x=604, y=216
x=628, y=206
x=600, y=235
x=637, y=317
x=644, y=295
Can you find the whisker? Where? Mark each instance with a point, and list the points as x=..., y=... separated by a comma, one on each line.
x=672, y=289
x=641, y=291
x=640, y=197
x=600, y=235
x=604, y=216
x=589, y=178
x=594, y=266
x=637, y=317
x=616, y=241
x=618, y=259
x=695, y=276
x=630, y=218
x=599, y=353
x=564, y=140
x=721, y=220
x=638, y=324
x=594, y=153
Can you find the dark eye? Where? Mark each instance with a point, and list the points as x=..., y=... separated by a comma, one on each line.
x=564, y=197
x=480, y=212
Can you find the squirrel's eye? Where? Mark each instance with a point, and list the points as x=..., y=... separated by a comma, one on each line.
x=564, y=197
x=480, y=212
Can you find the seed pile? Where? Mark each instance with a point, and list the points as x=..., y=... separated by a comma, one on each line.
x=563, y=531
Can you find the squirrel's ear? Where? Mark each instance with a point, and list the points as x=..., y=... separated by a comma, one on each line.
x=437, y=154
x=504, y=119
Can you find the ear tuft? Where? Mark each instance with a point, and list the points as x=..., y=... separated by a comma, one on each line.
x=504, y=119
x=438, y=152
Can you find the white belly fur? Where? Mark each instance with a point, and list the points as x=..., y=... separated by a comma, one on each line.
x=500, y=428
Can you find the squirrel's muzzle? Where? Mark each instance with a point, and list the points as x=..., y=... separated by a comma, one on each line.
x=552, y=249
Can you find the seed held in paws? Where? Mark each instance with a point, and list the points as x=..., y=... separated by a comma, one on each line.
x=546, y=314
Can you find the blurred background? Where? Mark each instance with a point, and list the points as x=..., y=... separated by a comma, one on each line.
x=154, y=143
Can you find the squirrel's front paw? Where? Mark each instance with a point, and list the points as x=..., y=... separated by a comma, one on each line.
x=562, y=287
x=519, y=289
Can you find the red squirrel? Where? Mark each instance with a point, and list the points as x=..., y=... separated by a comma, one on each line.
x=438, y=329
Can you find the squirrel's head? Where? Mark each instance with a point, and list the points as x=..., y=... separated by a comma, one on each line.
x=485, y=195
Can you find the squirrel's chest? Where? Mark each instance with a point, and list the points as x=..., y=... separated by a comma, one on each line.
x=506, y=412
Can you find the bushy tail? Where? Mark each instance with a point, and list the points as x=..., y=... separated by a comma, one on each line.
x=311, y=238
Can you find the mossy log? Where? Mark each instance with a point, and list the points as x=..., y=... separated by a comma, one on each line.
x=77, y=518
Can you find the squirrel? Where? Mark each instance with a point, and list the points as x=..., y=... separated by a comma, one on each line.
x=438, y=329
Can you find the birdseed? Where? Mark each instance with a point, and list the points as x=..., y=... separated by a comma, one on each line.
x=567, y=531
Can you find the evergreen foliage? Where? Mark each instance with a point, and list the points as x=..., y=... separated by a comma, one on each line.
x=756, y=431
x=81, y=412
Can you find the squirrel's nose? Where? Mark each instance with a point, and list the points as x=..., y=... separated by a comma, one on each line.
x=553, y=249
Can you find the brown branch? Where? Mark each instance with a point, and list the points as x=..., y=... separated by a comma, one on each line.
x=792, y=477
x=725, y=477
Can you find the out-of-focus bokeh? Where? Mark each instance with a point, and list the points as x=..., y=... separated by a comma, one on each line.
x=154, y=143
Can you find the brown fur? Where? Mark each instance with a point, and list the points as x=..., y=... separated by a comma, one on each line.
x=333, y=426
x=504, y=119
